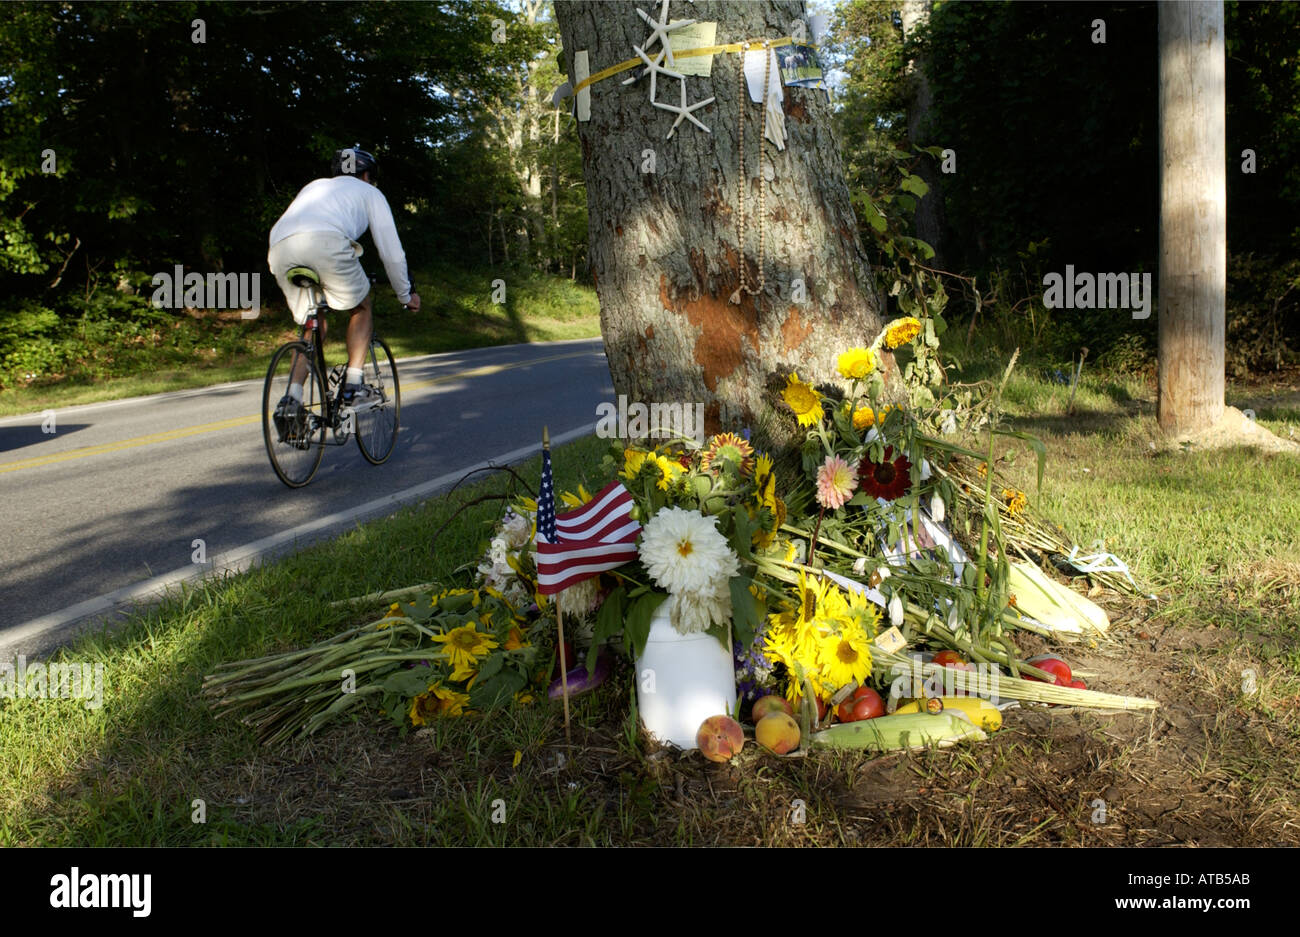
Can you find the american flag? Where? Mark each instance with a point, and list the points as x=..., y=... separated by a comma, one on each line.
x=578, y=544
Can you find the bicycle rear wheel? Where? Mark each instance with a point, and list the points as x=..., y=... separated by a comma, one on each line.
x=295, y=441
x=377, y=423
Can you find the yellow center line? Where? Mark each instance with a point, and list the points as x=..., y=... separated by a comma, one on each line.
x=233, y=422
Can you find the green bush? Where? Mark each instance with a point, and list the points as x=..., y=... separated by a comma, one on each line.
x=1263, y=314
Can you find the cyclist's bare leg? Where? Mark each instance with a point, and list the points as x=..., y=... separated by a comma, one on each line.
x=359, y=329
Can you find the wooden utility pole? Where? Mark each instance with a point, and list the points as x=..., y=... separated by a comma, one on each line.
x=1193, y=233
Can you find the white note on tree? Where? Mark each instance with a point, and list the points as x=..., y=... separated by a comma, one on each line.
x=696, y=36
x=754, y=75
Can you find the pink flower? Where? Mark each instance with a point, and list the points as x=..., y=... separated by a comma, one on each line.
x=836, y=480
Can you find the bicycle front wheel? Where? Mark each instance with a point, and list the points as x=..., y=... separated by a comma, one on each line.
x=295, y=436
x=377, y=422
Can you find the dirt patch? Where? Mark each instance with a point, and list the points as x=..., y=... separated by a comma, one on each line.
x=1183, y=774
x=1234, y=429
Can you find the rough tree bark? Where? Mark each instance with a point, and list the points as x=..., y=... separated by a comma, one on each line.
x=1193, y=245
x=663, y=244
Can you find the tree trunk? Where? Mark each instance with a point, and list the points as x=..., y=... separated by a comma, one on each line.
x=1193, y=247
x=663, y=245
x=929, y=209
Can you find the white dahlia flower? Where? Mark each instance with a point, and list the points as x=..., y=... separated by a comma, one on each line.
x=685, y=553
x=691, y=612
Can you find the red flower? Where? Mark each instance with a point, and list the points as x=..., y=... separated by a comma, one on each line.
x=890, y=479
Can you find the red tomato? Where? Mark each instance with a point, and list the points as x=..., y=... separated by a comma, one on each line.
x=1078, y=684
x=867, y=705
x=1053, y=665
x=845, y=710
x=822, y=709
x=949, y=658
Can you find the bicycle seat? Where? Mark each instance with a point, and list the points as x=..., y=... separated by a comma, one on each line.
x=304, y=277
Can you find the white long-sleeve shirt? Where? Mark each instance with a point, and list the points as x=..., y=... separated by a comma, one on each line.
x=348, y=205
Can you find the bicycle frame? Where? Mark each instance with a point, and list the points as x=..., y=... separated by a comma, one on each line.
x=314, y=336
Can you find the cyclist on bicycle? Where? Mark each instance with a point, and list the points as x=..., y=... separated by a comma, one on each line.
x=319, y=230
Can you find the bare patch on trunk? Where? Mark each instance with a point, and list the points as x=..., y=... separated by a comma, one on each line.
x=722, y=330
x=712, y=418
x=794, y=331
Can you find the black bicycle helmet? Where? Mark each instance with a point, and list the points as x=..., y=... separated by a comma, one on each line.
x=353, y=161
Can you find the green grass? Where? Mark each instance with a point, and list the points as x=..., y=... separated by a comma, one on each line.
x=129, y=771
x=1212, y=532
x=458, y=312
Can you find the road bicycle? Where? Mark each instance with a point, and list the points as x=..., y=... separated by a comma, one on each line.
x=296, y=435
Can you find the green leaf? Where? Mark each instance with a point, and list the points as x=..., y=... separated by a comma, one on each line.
x=408, y=683
x=609, y=622
x=636, y=627
x=744, y=611
x=1034, y=443
x=490, y=694
x=916, y=185
x=743, y=535
x=874, y=217
x=490, y=667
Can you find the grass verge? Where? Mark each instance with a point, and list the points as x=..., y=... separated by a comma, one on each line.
x=196, y=349
x=1218, y=764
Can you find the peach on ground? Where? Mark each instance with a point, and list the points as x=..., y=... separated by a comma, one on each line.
x=719, y=738
x=778, y=733
x=772, y=703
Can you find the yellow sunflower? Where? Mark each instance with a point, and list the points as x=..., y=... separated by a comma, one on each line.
x=394, y=612
x=571, y=500
x=865, y=417
x=778, y=638
x=728, y=447
x=669, y=470
x=902, y=331
x=1015, y=500
x=804, y=400
x=633, y=459
x=765, y=498
x=794, y=685
x=864, y=613
x=464, y=646
x=845, y=657
x=438, y=701
x=515, y=640
x=856, y=363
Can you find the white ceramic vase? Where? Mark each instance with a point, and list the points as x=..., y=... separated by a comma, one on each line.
x=681, y=680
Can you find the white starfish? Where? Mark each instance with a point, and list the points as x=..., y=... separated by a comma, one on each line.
x=661, y=28
x=655, y=69
x=684, y=112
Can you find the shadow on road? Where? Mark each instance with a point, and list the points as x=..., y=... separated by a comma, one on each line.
x=13, y=438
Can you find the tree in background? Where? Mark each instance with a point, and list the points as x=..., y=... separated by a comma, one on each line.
x=1056, y=139
x=137, y=136
x=538, y=142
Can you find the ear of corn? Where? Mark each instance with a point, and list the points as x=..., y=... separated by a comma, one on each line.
x=1051, y=604
x=914, y=731
x=981, y=712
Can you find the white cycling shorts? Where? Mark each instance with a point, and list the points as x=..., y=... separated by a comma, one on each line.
x=333, y=257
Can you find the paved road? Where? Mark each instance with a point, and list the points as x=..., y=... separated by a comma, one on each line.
x=108, y=506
